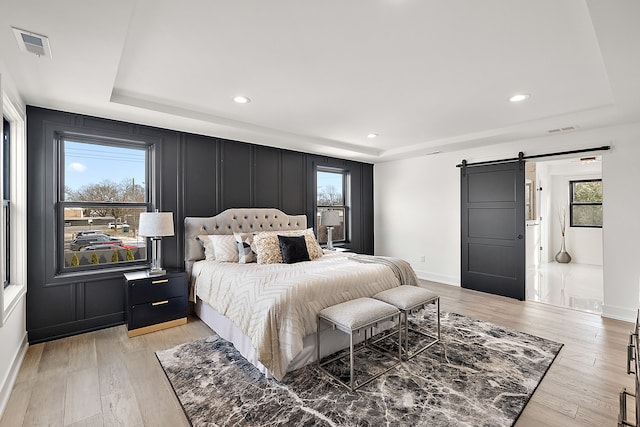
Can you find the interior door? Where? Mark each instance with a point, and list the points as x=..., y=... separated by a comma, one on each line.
x=493, y=228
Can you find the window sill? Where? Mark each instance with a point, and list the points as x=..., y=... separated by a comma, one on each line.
x=11, y=296
x=98, y=273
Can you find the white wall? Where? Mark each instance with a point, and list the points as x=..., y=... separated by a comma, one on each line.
x=417, y=212
x=13, y=346
x=13, y=330
x=621, y=229
x=417, y=209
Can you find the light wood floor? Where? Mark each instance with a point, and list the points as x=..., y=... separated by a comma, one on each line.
x=106, y=378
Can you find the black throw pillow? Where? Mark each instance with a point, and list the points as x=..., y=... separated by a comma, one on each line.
x=293, y=249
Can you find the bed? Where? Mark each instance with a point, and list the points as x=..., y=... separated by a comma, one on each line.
x=269, y=311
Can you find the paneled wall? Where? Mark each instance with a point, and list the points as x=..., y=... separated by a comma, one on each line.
x=194, y=175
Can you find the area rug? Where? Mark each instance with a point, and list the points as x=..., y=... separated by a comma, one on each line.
x=479, y=374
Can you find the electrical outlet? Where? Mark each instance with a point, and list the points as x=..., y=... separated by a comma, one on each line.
x=423, y=258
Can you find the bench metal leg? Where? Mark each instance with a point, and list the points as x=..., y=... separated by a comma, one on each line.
x=435, y=338
x=406, y=332
x=318, y=340
x=438, y=306
x=352, y=384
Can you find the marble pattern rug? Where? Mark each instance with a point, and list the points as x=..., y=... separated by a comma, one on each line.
x=479, y=374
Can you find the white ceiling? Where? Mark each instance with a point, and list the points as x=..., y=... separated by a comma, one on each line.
x=426, y=75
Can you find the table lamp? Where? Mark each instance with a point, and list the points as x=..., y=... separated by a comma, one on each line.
x=156, y=225
x=329, y=219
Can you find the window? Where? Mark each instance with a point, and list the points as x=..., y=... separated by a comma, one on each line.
x=6, y=199
x=332, y=195
x=13, y=227
x=103, y=189
x=586, y=203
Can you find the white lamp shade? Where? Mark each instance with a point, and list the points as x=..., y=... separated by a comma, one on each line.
x=330, y=218
x=156, y=224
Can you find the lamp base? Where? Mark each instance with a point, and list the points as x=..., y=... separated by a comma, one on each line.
x=156, y=255
x=330, y=238
x=156, y=272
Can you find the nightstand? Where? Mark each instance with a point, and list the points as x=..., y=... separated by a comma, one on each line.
x=155, y=302
x=335, y=250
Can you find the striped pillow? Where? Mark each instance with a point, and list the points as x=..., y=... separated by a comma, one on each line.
x=224, y=247
x=207, y=244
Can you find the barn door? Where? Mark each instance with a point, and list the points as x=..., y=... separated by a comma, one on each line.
x=493, y=229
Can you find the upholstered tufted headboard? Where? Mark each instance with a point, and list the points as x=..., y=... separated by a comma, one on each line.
x=243, y=220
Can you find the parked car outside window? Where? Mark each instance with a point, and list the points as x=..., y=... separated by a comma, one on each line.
x=117, y=225
x=101, y=247
x=88, y=232
x=93, y=239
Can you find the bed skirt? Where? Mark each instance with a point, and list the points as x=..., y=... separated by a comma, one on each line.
x=332, y=340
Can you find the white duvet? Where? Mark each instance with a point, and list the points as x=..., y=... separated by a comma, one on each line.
x=276, y=305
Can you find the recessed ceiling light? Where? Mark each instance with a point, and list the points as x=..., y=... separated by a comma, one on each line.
x=241, y=99
x=519, y=97
x=372, y=135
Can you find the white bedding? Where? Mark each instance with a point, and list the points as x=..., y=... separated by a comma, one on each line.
x=276, y=305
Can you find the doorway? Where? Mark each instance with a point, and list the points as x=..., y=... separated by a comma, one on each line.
x=569, y=192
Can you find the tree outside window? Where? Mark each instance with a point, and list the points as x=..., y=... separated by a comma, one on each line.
x=586, y=203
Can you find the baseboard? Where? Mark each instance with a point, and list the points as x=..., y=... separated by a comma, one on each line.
x=440, y=278
x=620, y=313
x=10, y=380
x=68, y=329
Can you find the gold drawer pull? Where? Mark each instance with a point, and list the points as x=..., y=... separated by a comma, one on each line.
x=157, y=282
x=160, y=303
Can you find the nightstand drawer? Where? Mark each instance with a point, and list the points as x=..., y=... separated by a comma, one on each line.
x=159, y=311
x=156, y=289
x=155, y=302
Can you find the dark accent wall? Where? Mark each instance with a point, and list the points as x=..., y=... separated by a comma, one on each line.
x=194, y=175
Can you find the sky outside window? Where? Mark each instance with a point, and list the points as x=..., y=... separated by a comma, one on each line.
x=87, y=164
x=330, y=182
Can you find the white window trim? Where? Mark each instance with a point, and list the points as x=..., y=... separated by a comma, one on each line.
x=12, y=294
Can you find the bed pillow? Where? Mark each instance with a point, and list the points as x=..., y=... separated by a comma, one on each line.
x=267, y=246
x=207, y=244
x=314, y=248
x=225, y=247
x=272, y=248
x=244, y=242
x=293, y=249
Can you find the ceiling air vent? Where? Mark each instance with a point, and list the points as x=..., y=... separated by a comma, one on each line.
x=32, y=42
x=565, y=129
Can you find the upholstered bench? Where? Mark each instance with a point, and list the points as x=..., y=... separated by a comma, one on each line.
x=406, y=299
x=353, y=317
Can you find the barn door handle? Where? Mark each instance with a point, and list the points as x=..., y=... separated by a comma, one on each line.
x=520, y=236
